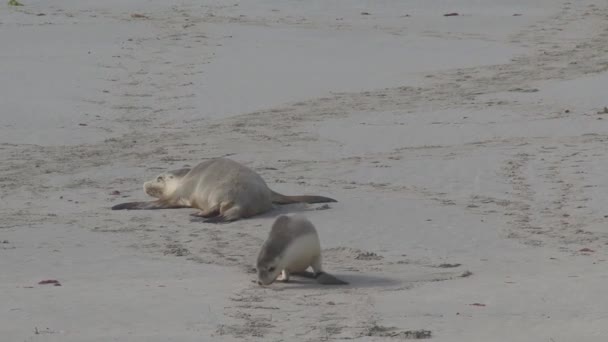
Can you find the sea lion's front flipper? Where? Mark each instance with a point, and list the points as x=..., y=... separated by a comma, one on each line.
x=284, y=277
x=212, y=212
x=145, y=206
x=216, y=219
x=328, y=279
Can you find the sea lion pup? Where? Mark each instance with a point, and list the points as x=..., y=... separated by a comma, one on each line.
x=292, y=246
x=222, y=189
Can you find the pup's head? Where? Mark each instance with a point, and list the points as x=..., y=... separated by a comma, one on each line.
x=165, y=184
x=268, y=267
x=268, y=270
x=271, y=259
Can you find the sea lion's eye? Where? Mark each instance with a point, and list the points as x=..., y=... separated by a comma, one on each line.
x=171, y=177
x=271, y=269
x=159, y=179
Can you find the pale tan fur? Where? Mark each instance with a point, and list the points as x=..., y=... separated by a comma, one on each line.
x=292, y=247
x=222, y=189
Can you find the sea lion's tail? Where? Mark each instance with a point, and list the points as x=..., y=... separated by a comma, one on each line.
x=277, y=198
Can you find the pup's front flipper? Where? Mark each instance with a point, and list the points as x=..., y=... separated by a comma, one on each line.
x=284, y=277
x=328, y=279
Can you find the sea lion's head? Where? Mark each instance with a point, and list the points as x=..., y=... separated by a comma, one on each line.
x=165, y=184
x=268, y=268
x=271, y=259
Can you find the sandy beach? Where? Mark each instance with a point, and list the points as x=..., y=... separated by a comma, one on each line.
x=467, y=154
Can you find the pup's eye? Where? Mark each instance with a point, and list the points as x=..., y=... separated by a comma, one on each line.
x=159, y=179
x=171, y=177
x=271, y=269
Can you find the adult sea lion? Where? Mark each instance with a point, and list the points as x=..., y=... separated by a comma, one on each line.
x=221, y=188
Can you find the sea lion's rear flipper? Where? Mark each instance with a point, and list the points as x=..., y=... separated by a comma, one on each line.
x=321, y=277
x=278, y=198
x=145, y=206
x=328, y=279
x=304, y=274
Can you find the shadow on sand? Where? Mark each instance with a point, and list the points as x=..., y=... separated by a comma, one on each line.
x=354, y=281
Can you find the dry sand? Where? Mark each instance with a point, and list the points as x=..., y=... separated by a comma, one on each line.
x=468, y=154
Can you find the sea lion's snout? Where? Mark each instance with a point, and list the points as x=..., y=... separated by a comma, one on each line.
x=153, y=189
x=265, y=278
x=265, y=283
